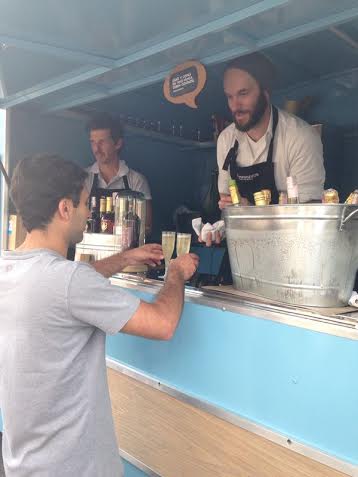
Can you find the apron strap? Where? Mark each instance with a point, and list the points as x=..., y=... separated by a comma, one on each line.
x=274, y=126
x=126, y=183
x=94, y=185
x=230, y=160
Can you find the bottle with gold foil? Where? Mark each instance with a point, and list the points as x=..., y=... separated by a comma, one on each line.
x=352, y=199
x=267, y=195
x=259, y=198
x=330, y=196
x=107, y=219
x=234, y=192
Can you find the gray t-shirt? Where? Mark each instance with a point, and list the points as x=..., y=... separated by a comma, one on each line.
x=54, y=398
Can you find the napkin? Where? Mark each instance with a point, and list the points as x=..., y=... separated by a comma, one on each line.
x=206, y=229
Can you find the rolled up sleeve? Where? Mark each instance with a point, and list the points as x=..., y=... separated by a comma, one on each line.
x=305, y=158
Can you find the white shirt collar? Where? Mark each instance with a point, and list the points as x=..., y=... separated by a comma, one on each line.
x=122, y=170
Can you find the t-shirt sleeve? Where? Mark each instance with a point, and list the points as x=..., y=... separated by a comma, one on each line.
x=93, y=300
x=305, y=158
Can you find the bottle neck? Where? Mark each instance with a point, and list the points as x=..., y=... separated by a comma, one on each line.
x=109, y=205
x=102, y=206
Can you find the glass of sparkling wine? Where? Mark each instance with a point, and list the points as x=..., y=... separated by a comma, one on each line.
x=183, y=244
x=168, y=242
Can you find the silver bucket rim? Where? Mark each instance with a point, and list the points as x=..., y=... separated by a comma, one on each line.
x=342, y=212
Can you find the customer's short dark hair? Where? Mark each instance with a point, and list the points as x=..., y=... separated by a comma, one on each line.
x=39, y=183
x=106, y=121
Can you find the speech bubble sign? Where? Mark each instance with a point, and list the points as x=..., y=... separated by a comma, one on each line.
x=184, y=83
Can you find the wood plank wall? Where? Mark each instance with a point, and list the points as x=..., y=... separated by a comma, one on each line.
x=176, y=439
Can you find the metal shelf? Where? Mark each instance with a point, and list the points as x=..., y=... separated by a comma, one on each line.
x=166, y=138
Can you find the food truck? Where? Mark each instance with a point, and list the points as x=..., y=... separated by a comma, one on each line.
x=260, y=377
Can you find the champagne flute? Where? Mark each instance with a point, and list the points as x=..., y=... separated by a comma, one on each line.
x=183, y=243
x=168, y=241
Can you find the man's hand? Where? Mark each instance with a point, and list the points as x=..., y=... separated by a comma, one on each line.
x=159, y=319
x=185, y=265
x=209, y=241
x=225, y=200
x=150, y=254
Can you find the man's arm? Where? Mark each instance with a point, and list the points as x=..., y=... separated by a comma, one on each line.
x=149, y=217
x=150, y=254
x=305, y=158
x=159, y=320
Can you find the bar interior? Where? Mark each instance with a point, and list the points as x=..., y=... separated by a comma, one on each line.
x=260, y=377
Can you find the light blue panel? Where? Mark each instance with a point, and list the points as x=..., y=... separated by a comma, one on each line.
x=129, y=24
x=132, y=471
x=140, y=46
x=38, y=68
x=297, y=382
x=0, y=422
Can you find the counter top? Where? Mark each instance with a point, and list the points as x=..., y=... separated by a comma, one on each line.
x=339, y=322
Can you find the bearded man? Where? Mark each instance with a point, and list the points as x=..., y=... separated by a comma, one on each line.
x=265, y=145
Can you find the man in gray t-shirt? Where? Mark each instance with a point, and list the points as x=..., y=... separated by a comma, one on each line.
x=54, y=315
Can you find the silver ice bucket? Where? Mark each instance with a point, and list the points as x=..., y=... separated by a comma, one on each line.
x=301, y=254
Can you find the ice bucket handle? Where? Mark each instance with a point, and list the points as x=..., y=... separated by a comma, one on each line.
x=344, y=219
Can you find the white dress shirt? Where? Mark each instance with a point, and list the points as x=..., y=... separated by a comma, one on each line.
x=297, y=151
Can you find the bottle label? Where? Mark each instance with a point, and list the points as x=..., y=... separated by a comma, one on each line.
x=106, y=226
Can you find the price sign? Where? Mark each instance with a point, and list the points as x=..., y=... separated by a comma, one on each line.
x=184, y=83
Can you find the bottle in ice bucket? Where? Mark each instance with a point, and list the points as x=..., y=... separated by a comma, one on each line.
x=292, y=190
x=282, y=199
x=352, y=199
x=259, y=198
x=267, y=195
x=330, y=196
x=234, y=192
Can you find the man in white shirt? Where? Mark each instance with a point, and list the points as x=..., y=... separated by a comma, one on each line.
x=110, y=173
x=264, y=145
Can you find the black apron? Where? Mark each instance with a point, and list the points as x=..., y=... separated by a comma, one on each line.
x=98, y=192
x=254, y=178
